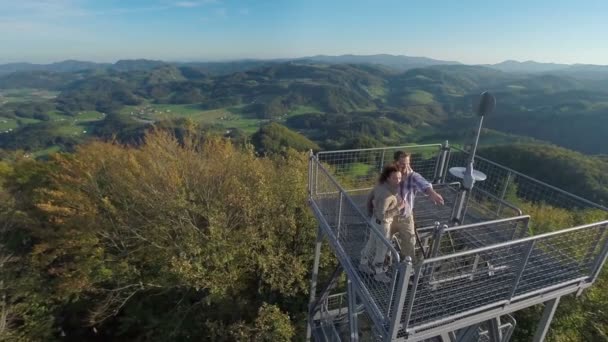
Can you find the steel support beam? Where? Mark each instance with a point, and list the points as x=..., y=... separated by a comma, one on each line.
x=545, y=320
x=313, y=281
x=352, y=314
x=494, y=332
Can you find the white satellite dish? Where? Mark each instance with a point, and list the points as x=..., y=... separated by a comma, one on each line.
x=459, y=172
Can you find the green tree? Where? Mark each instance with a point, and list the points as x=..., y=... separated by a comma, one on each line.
x=275, y=138
x=152, y=242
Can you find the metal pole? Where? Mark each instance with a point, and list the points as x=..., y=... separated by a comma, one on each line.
x=437, y=233
x=310, y=161
x=339, y=219
x=410, y=304
x=466, y=334
x=313, y=282
x=441, y=162
x=522, y=269
x=472, y=156
x=460, y=206
x=405, y=270
x=545, y=321
x=448, y=337
x=601, y=258
x=352, y=315
x=494, y=332
x=447, y=163
x=424, y=254
x=382, y=160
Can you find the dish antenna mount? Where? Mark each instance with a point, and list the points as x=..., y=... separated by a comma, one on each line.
x=487, y=104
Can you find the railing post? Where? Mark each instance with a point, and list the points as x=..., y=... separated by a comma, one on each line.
x=503, y=193
x=352, y=315
x=310, y=161
x=339, y=218
x=591, y=250
x=315, y=176
x=313, y=282
x=520, y=272
x=600, y=260
x=460, y=206
x=441, y=163
x=437, y=234
x=405, y=271
x=382, y=161
x=410, y=304
x=447, y=164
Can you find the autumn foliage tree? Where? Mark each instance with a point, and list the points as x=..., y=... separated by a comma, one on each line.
x=169, y=241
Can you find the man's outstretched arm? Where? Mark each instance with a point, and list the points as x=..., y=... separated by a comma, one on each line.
x=434, y=195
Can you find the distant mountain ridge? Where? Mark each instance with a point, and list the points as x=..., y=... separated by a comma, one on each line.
x=63, y=66
x=395, y=62
x=527, y=66
x=398, y=62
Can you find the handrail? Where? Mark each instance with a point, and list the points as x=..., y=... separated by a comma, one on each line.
x=379, y=148
x=512, y=242
x=485, y=223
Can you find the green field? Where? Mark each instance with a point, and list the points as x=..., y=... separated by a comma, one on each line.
x=377, y=91
x=359, y=169
x=70, y=125
x=225, y=118
x=25, y=95
x=420, y=97
x=47, y=151
x=6, y=124
x=78, y=124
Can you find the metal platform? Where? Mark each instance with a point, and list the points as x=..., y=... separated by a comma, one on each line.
x=483, y=263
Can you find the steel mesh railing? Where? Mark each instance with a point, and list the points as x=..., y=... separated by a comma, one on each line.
x=483, y=206
x=511, y=186
x=460, y=284
x=486, y=259
x=359, y=169
x=449, y=240
x=348, y=230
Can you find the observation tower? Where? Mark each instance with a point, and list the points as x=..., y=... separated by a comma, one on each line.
x=478, y=259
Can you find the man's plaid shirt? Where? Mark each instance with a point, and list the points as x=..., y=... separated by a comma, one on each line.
x=409, y=186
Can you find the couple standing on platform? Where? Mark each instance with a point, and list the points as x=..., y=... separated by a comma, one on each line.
x=390, y=208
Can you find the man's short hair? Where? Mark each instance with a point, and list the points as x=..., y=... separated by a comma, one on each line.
x=400, y=154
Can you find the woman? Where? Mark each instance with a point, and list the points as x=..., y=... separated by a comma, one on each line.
x=385, y=205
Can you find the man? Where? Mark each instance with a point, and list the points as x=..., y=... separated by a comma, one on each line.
x=411, y=183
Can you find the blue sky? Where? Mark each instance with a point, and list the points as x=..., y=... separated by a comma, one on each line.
x=466, y=31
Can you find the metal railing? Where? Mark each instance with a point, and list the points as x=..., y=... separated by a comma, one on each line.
x=359, y=169
x=486, y=260
x=457, y=285
x=513, y=186
x=450, y=240
x=348, y=229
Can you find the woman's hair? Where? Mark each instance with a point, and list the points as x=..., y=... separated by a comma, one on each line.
x=386, y=173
